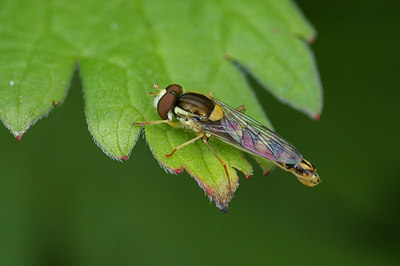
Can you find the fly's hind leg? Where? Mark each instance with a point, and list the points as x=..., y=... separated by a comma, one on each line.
x=242, y=108
x=184, y=145
x=205, y=140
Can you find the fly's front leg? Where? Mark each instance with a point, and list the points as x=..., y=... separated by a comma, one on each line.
x=184, y=145
x=224, y=164
x=166, y=121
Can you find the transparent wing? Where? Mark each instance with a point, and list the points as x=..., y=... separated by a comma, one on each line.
x=243, y=132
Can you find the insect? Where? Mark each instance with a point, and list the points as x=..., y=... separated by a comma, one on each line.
x=207, y=117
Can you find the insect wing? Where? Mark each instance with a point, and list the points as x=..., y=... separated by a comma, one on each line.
x=245, y=133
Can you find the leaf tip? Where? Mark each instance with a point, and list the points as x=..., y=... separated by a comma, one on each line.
x=267, y=172
x=19, y=137
x=311, y=40
x=56, y=103
x=223, y=209
x=248, y=177
x=170, y=170
x=317, y=117
x=124, y=158
x=177, y=171
x=223, y=204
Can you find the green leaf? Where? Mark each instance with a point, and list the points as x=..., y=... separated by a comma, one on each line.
x=263, y=38
x=36, y=65
x=123, y=47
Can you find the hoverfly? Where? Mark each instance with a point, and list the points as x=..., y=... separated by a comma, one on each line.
x=207, y=117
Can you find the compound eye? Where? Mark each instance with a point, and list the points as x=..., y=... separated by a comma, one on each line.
x=165, y=104
x=174, y=89
x=168, y=100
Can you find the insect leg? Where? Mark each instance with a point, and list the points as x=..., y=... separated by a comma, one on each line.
x=205, y=140
x=184, y=144
x=242, y=108
x=166, y=121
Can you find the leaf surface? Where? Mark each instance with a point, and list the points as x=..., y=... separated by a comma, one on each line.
x=123, y=47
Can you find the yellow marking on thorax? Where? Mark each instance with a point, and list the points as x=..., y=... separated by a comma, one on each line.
x=216, y=114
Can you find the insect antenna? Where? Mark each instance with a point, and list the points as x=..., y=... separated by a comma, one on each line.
x=157, y=87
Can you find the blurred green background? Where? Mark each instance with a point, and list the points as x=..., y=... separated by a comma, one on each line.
x=63, y=201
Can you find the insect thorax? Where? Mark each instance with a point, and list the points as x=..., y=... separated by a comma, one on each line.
x=192, y=108
x=198, y=106
x=189, y=124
